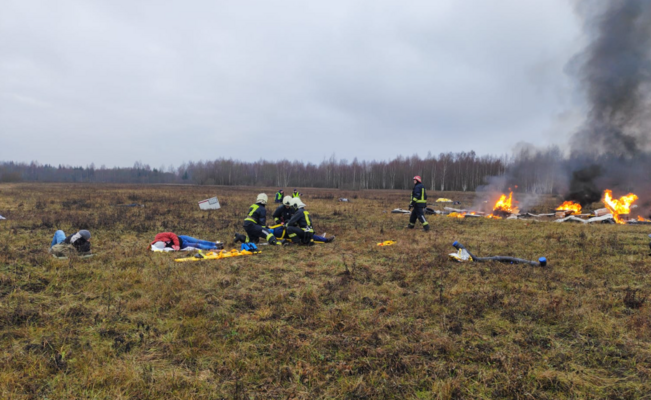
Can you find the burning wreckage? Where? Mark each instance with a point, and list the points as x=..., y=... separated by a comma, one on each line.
x=616, y=211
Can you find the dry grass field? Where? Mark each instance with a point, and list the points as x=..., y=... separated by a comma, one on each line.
x=347, y=320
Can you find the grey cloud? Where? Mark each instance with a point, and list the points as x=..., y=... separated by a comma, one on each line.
x=112, y=82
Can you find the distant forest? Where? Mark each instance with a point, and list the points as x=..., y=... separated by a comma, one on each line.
x=464, y=171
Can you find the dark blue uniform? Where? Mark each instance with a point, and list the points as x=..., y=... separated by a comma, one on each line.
x=300, y=226
x=283, y=214
x=255, y=225
x=279, y=197
x=418, y=202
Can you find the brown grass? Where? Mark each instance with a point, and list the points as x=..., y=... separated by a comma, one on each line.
x=344, y=320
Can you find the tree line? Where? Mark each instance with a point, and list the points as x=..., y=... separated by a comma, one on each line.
x=531, y=169
x=463, y=171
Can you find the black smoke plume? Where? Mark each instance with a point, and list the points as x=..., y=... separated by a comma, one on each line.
x=615, y=73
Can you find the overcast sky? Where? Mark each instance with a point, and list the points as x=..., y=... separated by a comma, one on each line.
x=163, y=82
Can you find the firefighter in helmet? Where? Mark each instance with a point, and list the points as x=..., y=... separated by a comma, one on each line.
x=418, y=203
x=299, y=227
x=284, y=212
x=255, y=224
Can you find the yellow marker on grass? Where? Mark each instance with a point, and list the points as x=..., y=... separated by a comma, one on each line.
x=387, y=243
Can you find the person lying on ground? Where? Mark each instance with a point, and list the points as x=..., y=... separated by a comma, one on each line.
x=167, y=240
x=255, y=224
x=63, y=245
x=281, y=234
x=284, y=212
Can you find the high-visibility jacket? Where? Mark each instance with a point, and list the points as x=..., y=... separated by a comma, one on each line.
x=301, y=218
x=296, y=194
x=418, y=196
x=257, y=215
x=283, y=214
x=279, y=197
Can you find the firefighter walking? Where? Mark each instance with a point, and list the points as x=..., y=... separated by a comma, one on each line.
x=418, y=202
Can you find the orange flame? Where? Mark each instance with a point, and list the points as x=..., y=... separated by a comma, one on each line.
x=570, y=206
x=641, y=219
x=457, y=215
x=504, y=205
x=617, y=207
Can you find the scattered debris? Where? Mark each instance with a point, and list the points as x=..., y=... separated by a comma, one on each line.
x=400, y=211
x=209, y=204
x=601, y=212
x=443, y=200
x=464, y=255
x=605, y=219
x=568, y=208
x=344, y=200
x=531, y=215
x=387, y=243
x=129, y=205
x=1, y=217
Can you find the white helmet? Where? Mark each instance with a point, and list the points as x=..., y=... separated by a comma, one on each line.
x=262, y=198
x=287, y=200
x=297, y=203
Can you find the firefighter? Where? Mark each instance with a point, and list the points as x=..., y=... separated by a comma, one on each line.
x=279, y=196
x=296, y=194
x=299, y=227
x=418, y=202
x=255, y=223
x=284, y=212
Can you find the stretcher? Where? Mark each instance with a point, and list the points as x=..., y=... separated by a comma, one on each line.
x=216, y=255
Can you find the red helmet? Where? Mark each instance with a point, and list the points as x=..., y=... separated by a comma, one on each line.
x=418, y=178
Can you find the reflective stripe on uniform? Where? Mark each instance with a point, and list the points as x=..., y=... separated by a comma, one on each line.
x=252, y=209
x=422, y=197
